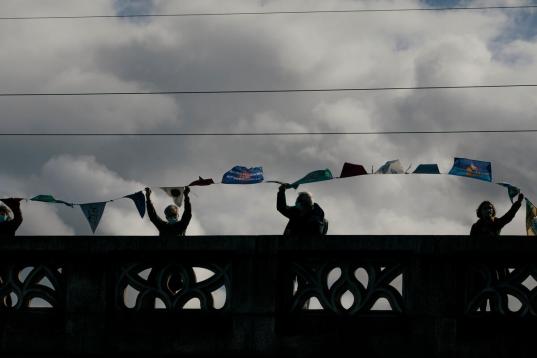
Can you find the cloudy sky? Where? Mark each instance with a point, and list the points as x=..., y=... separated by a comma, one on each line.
x=382, y=49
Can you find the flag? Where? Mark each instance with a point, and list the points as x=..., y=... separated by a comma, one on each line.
x=201, y=182
x=472, y=169
x=139, y=201
x=93, y=212
x=176, y=193
x=243, y=175
x=49, y=199
x=512, y=190
x=318, y=175
x=391, y=167
x=531, y=218
x=352, y=170
x=427, y=169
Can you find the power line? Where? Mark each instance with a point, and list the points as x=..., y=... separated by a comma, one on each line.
x=295, y=90
x=466, y=8
x=246, y=134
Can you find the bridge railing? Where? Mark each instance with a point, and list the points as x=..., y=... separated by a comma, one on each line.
x=440, y=295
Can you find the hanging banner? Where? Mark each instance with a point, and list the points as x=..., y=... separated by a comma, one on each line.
x=93, y=213
x=470, y=168
x=176, y=193
x=201, y=182
x=139, y=201
x=531, y=218
x=427, y=169
x=315, y=176
x=50, y=199
x=352, y=170
x=243, y=175
x=391, y=167
x=512, y=190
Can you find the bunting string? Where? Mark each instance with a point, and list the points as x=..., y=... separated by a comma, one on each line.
x=462, y=167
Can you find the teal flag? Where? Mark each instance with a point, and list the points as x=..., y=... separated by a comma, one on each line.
x=512, y=190
x=318, y=175
x=93, y=213
x=427, y=169
x=49, y=199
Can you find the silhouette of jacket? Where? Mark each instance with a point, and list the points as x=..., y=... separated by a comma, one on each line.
x=492, y=228
x=310, y=223
x=8, y=228
x=170, y=229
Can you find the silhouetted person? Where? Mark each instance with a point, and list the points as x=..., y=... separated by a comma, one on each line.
x=173, y=226
x=305, y=218
x=488, y=225
x=9, y=224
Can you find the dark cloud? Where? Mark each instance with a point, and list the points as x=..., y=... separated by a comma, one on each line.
x=267, y=53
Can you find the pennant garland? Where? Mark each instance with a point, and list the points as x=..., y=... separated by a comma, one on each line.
x=531, y=219
x=243, y=175
x=176, y=193
x=470, y=168
x=139, y=201
x=315, y=176
x=93, y=213
x=427, y=169
x=512, y=190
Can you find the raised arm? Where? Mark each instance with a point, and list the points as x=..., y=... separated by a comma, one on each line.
x=281, y=202
x=187, y=214
x=151, y=212
x=506, y=219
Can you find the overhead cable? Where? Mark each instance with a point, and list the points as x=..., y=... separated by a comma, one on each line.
x=254, y=13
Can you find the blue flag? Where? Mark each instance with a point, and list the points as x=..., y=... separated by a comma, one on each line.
x=427, y=169
x=93, y=212
x=139, y=201
x=472, y=169
x=243, y=175
x=512, y=190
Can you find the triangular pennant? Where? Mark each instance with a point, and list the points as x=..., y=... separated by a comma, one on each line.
x=391, y=167
x=93, y=213
x=427, y=169
x=512, y=190
x=139, y=201
x=176, y=193
x=352, y=170
x=315, y=176
x=201, y=182
x=531, y=218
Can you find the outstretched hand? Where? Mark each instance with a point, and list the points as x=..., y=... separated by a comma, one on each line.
x=147, y=192
x=186, y=191
x=520, y=197
x=283, y=187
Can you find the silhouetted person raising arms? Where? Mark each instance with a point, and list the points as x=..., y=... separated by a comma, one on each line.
x=173, y=226
x=488, y=224
x=9, y=224
x=305, y=218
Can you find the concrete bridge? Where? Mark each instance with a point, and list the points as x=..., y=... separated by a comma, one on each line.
x=376, y=296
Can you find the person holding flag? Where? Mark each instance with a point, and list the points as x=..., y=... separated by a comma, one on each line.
x=8, y=224
x=489, y=225
x=173, y=226
x=305, y=218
